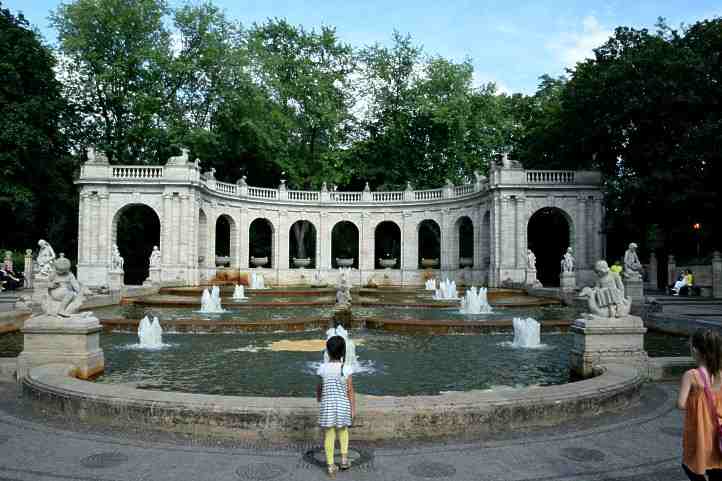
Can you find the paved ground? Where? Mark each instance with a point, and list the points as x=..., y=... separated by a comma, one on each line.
x=640, y=444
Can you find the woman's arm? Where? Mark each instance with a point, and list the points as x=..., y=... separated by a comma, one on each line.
x=684, y=389
x=351, y=397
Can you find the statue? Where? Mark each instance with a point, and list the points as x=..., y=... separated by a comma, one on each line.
x=154, y=260
x=530, y=260
x=116, y=260
x=632, y=266
x=367, y=187
x=242, y=181
x=343, y=291
x=409, y=187
x=46, y=256
x=606, y=298
x=65, y=294
x=568, y=261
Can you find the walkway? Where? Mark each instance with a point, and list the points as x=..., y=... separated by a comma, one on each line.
x=640, y=444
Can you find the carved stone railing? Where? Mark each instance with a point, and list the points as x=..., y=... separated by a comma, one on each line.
x=550, y=177
x=136, y=172
x=262, y=193
x=432, y=194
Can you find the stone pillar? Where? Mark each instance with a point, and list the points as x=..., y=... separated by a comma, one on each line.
x=599, y=341
x=652, y=271
x=409, y=243
x=52, y=339
x=245, y=239
x=568, y=281
x=671, y=270
x=281, y=254
x=154, y=276
x=324, y=243
x=366, y=244
x=28, y=271
x=716, y=274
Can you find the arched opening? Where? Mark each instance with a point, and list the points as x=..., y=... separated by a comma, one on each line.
x=549, y=233
x=429, y=244
x=225, y=241
x=136, y=229
x=465, y=230
x=387, y=248
x=302, y=245
x=344, y=244
x=202, y=238
x=260, y=237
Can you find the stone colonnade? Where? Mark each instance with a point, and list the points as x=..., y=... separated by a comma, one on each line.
x=189, y=203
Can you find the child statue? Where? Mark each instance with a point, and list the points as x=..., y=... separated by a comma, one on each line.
x=606, y=298
x=64, y=291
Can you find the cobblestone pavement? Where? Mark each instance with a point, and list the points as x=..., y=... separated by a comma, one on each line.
x=642, y=443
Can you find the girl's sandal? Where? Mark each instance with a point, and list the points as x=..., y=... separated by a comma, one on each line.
x=332, y=469
x=345, y=464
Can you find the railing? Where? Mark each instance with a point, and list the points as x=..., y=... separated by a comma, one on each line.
x=550, y=176
x=262, y=193
x=304, y=195
x=462, y=190
x=433, y=194
x=226, y=188
x=387, y=196
x=137, y=172
x=346, y=197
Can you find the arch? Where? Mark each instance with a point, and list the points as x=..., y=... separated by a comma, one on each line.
x=345, y=242
x=429, y=242
x=226, y=250
x=549, y=232
x=302, y=244
x=136, y=229
x=387, y=243
x=261, y=237
x=464, y=229
x=202, y=238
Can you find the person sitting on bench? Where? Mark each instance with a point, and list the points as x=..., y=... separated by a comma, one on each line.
x=681, y=282
x=688, y=287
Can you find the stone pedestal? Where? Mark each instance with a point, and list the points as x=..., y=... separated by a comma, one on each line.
x=634, y=290
x=531, y=279
x=568, y=281
x=154, y=276
x=115, y=280
x=66, y=340
x=716, y=274
x=671, y=270
x=603, y=340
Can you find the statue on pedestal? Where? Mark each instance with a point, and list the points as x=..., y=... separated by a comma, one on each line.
x=568, y=261
x=116, y=260
x=154, y=260
x=530, y=260
x=343, y=292
x=46, y=256
x=632, y=266
x=606, y=298
x=65, y=294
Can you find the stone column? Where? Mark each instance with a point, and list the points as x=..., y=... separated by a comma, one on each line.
x=634, y=289
x=282, y=238
x=671, y=270
x=652, y=272
x=244, y=239
x=521, y=231
x=716, y=274
x=323, y=243
x=477, y=219
x=28, y=270
x=409, y=243
x=366, y=244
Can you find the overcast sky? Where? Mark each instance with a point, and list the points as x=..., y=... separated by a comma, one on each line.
x=509, y=42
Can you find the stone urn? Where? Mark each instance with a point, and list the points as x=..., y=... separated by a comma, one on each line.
x=388, y=263
x=466, y=261
x=302, y=262
x=429, y=263
x=223, y=261
x=344, y=262
x=259, y=261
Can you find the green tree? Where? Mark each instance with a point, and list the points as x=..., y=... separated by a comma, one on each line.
x=115, y=54
x=36, y=189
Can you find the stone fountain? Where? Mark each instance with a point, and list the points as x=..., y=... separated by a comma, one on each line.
x=257, y=281
x=351, y=360
x=430, y=285
x=211, y=301
x=239, y=293
x=527, y=333
x=475, y=302
x=446, y=291
x=150, y=335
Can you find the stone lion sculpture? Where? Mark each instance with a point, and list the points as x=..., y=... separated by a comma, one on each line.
x=606, y=298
